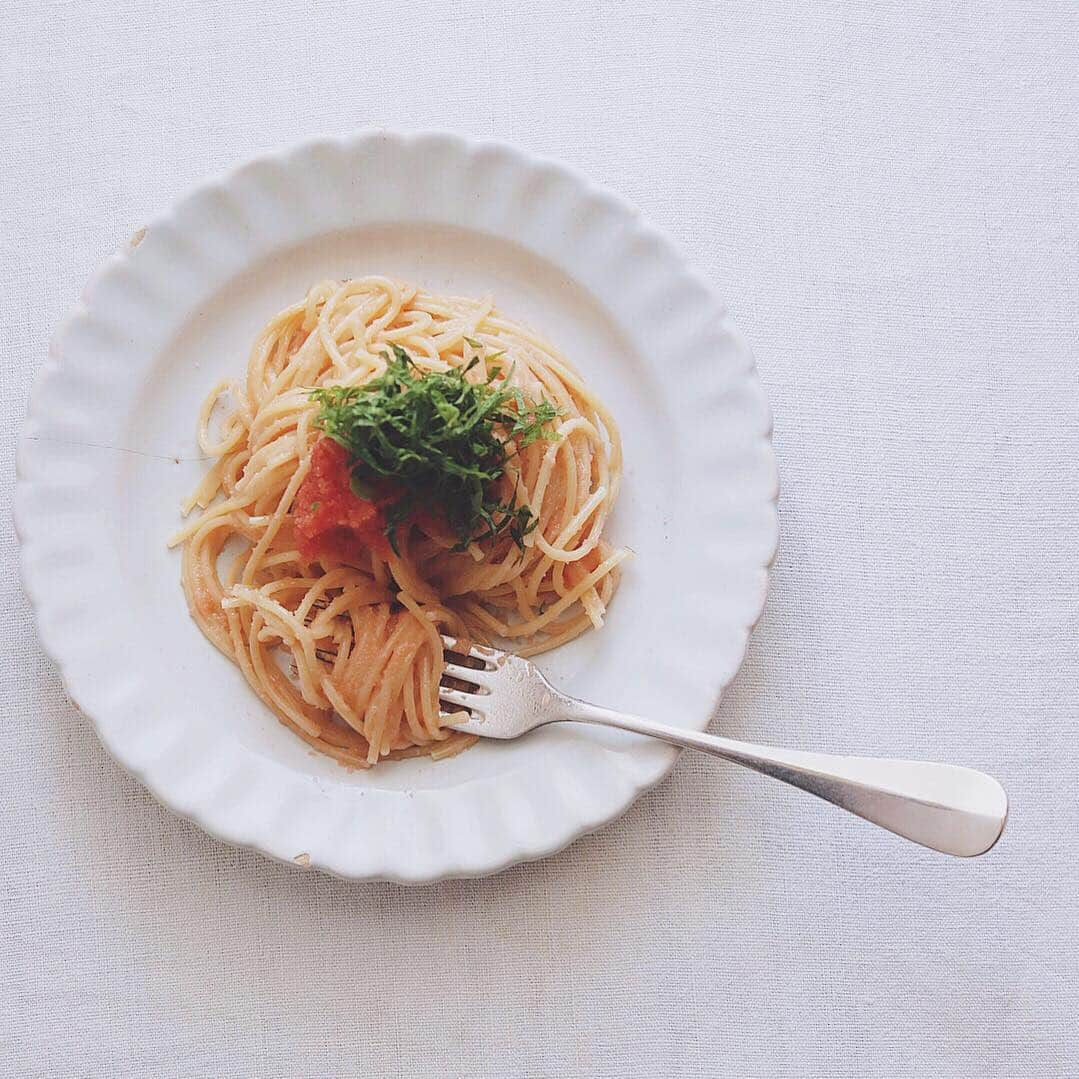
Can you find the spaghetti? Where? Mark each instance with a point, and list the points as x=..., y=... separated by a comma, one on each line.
x=344, y=644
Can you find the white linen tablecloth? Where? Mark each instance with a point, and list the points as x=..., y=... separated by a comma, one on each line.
x=886, y=197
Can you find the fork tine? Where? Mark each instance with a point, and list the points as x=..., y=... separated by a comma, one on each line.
x=476, y=651
x=463, y=721
x=468, y=674
x=450, y=718
x=459, y=697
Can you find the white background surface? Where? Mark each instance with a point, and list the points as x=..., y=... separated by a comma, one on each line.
x=886, y=197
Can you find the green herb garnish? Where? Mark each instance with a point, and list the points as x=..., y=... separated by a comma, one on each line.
x=440, y=437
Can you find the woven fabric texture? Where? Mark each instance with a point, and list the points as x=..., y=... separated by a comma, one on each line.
x=886, y=197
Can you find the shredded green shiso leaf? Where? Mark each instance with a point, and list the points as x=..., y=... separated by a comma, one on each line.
x=443, y=439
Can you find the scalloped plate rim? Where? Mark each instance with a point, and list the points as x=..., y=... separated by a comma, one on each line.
x=24, y=518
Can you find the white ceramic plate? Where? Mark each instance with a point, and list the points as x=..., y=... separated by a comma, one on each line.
x=109, y=451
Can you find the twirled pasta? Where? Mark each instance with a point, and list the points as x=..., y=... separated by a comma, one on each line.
x=349, y=655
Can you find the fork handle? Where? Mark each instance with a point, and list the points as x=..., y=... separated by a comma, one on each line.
x=942, y=806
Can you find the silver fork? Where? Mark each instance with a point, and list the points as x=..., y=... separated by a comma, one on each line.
x=951, y=809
